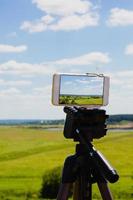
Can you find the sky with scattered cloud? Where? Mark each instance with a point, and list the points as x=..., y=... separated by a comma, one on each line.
x=81, y=85
x=41, y=37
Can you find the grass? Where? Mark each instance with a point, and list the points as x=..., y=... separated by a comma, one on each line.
x=80, y=100
x=26, y=154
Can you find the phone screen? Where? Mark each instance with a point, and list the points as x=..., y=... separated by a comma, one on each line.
x=81, y=90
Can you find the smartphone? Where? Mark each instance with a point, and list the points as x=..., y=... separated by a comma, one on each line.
x=89, y=90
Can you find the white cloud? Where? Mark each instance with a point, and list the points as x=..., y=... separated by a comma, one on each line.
x=32, y=27
x=129, y=49
x=74, y=22
x=36, y=103
x=12, y=49
x=14, y=67
x=122, y=83
x=126, y=74
x=45, y=90
x=15, y=83
x=63, y=15
x=27, y=106
x=38, y=25
x=120, y=17
x=12, y=91
x=63, y=7
x=121, y=89
x=87, y=59
x=37, y=92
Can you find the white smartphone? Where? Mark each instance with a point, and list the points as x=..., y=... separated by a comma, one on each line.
x=89, y=90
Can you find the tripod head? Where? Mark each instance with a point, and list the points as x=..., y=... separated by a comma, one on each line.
x=90, y=122
x=84, y=125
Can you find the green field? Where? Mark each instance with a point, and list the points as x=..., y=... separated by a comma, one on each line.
x=80, y=100
x=26, y=154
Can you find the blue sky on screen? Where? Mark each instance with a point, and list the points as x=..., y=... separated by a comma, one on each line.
x=42, y=37
x=79, y=85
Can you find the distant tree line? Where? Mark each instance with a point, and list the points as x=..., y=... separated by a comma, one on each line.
x=113, y=119
x=53, y=122
x=31, y=122
x=118, y=118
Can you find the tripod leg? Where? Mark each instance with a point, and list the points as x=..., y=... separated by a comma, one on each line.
x=76, y=190
x=63, y=191
x=82, y=189
x=69, y=175
x=104, y=190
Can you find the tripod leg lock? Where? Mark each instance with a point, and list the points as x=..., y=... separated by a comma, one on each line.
x=70, y=170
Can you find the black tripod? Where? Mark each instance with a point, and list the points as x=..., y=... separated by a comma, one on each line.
x=87, y=166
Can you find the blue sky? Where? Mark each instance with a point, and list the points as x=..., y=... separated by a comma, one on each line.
x=42, y=37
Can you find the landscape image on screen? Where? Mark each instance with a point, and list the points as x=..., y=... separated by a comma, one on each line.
x=81, y=90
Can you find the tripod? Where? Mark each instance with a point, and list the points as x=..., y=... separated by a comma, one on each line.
x=86, y=166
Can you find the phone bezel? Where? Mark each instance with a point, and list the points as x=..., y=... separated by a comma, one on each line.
x=56, y=89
